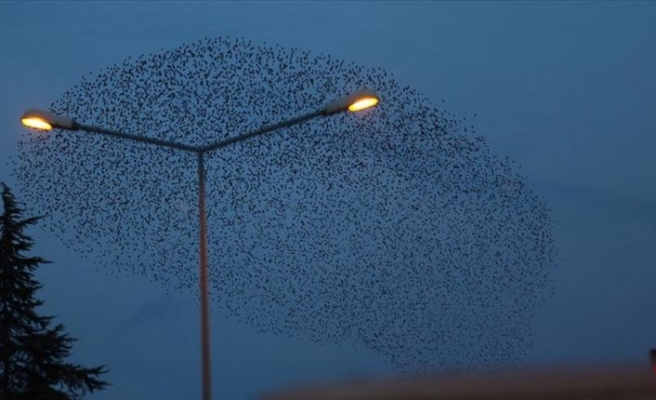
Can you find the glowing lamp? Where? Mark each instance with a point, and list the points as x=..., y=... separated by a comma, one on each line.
x=356, y=102
x=45, y=121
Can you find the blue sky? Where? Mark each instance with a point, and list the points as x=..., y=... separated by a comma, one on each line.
x=564, y=88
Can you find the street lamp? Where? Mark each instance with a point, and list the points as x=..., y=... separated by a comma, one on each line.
x=45, y=121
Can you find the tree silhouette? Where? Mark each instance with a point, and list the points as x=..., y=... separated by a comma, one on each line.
x=32, y=351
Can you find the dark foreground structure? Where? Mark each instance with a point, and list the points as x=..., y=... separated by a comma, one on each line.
x=599, y=383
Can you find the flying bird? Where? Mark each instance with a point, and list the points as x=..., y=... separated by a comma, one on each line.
x=396, y=229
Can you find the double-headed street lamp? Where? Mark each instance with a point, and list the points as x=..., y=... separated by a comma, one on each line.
x=43, y=120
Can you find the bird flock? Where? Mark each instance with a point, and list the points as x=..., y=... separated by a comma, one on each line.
x=395, y=229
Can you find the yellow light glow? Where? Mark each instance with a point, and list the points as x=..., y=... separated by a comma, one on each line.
x=363, y=103
x=36, y=123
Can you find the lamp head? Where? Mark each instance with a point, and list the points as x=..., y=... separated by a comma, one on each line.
x=45, y=121
x=356, y=102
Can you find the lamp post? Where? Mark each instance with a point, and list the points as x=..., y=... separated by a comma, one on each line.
x=43, y=120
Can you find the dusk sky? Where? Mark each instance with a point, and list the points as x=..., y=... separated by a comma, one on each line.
x=566, y=89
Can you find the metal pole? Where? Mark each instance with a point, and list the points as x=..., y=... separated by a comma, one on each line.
x=202, y=216
x=263, y=130
x=136, y=138
x=204, y=292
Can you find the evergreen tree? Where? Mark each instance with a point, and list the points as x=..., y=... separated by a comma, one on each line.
x=33, y=352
